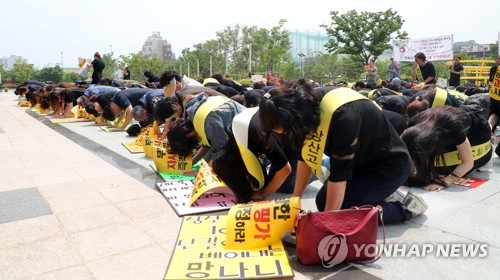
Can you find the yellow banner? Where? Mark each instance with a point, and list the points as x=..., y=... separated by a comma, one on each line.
x=261, y=223
x=199, y=253
x=495, y=86
x=206, y=180
x=133, y=148
x=171, y=163
x=79, y=112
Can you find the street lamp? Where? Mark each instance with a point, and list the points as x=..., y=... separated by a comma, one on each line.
x=226, y=61
x=302, y=64
x=250, y=58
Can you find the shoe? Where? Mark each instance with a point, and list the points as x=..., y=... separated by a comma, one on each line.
x=485, y=167
x=414, y=204
x=396, y=196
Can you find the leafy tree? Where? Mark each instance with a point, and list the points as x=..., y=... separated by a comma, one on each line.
x=363, y=35
x=3, y=74
x=53, y=74
x=138, y=64
x=21, y=72
x=111, y=65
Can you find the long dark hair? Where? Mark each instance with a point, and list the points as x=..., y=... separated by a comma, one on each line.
x=231, y=169
x=295, y=108
x=426, y=140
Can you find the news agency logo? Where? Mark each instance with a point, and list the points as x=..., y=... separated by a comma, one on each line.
x=333, y=250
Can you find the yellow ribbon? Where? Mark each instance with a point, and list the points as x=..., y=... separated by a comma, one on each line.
x=420, y=77
x=314, y=145
x=453, y=158
x=241, y=123
x=213, y=102
x=440, y=98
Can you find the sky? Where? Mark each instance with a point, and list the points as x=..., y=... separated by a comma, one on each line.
x=54, y=31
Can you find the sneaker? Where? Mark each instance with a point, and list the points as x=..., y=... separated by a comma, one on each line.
x=486, y=167
x=414, y=204
x=396, y=196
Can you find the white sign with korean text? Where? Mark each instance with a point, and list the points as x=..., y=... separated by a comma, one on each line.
x=178, y=195
x=434, y=48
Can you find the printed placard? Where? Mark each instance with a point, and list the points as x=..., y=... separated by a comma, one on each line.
x=178, y=195
x=67, y=120
x=469, y=182
x=171, y=163
x=260, y=223
x=199, y=253
x=175, y=177
x=133, y=148
x=206, y=180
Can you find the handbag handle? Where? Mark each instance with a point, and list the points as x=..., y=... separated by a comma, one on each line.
x=363, y=221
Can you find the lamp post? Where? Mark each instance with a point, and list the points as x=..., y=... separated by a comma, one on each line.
x=301, y=55
x=250, y=58
x=62, y=67
x=210, y=65
x=226, y=63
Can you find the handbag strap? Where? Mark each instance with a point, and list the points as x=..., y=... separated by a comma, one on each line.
x=360, y=225
x=381, y=217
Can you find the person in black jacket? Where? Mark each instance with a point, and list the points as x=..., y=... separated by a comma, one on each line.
x=152, y=81
x=98, y=66
x=228, y=82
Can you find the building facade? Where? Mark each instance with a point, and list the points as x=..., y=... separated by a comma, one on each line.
x=306, y=43
x=8, y=62
x=155, y=46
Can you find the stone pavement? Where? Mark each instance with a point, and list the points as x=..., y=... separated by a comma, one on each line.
x=75, y=204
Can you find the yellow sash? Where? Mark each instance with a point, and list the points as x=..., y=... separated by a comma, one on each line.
x=241, y=123
x=440, y=98
x=201, y=114
x=495, y=86
x=453, y=158
x=314, y=145
x=420, y=77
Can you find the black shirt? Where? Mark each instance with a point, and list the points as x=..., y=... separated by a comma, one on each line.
x=71, y=95
x=428, y=71
x=470, y=124
x=455, y=78
x=379, y=153
x=129, y=97
x=272, y=149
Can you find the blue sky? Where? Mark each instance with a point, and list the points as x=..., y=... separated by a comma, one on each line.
x=41, y=30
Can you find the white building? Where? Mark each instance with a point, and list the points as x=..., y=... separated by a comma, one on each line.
x=8, y=62
x=155, y=46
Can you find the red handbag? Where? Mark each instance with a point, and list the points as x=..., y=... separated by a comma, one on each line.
x=332, y=237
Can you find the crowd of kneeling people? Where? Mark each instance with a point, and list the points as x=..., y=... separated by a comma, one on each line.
x=363, y=143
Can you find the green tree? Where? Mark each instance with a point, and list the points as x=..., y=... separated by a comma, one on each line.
x=53, y=74
x=111, y=65
x=21, y=71
x=137, y=64
x=323, y=67
x=363, y=35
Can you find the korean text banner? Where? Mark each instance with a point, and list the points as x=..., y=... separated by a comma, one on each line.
x=199, y=253
x=261, y=223
x=434, y=48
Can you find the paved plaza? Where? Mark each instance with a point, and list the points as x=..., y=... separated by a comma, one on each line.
x=75, y=204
